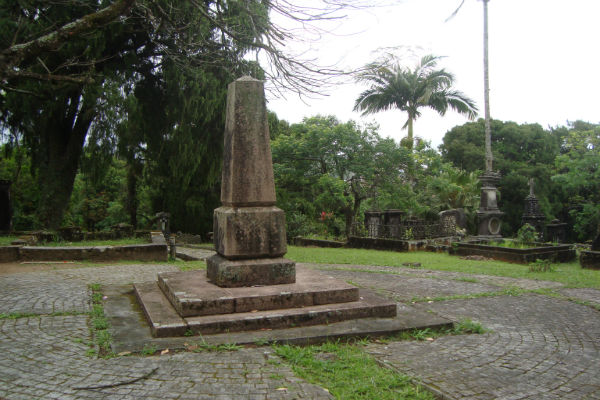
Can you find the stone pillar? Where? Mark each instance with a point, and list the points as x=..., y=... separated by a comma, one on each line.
x=489, y=214
x=556, y=231
x=532, y=214
x=249, y=231
x=373, y=223
x=392, y=220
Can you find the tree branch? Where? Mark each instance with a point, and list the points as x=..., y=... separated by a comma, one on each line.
x=14, y=56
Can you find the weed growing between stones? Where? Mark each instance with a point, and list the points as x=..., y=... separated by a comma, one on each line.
x=468, y=326
x=465, y=326
x=99, y=325
x=149, y=349
x=202, y=345
x=348, y=372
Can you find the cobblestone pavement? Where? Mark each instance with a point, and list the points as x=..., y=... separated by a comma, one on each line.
x=539, y=347
x=43, y=357
x=583, y=294
x=499, y=281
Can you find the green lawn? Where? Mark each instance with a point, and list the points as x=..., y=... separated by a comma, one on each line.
x=6, y=240
x=571, y=274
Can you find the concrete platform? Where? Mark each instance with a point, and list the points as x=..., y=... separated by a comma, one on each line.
x=191, y=293
x=130, y=331
x=165, y=321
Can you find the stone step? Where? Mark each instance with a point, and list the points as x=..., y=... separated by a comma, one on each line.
x=160, y=314
x=367, y=306
x=191, y=294
x=165, y=322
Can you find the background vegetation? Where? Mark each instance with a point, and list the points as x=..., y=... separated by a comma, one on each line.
x=116, y=120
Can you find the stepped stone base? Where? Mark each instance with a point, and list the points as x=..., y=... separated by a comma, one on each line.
x=182, y=302
x=237, y=273
x=191, y=294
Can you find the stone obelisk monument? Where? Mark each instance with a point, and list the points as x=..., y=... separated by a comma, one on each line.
x=248, y=285
x=249, y=231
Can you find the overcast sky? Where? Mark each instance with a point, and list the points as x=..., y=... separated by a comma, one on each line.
x=544, y=60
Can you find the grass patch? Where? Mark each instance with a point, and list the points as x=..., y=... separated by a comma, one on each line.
x=99, y=325
x=465, y=326
x=7, y=240
x=571, y=274
x=348, y=372
x=189, y=265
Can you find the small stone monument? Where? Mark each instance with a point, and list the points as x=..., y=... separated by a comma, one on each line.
x=373, y=223
x=249, y=231
x=489, y=214
x=532, y=214
x=556, y=231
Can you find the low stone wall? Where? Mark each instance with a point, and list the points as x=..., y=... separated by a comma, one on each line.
x=377, y=244
x=433, y=245
x=140, y=252
x=155, y=251
x=589, y=259
x=9, y=254
x=300, y=241
x=78, y=236
x=560, y=253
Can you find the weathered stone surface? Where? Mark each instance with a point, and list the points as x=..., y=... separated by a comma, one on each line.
x=138, y=252
x=191, y=294
x=162, y=317
x=558, y=253
x=590, y=259
x=249, y=232
x=9, y=253
x=369, y=305
x=247, y=178
x=237, y=273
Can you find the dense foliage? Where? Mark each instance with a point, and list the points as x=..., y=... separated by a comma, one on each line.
x=149, y=88
x=327, y=173
x=563, y=162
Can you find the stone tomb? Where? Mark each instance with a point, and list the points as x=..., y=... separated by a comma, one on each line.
x=248, y=284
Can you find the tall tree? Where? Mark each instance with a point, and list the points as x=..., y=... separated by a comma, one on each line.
x=59, y=59
x=489, y=157
x=324, y=165
x=411, y=90
x=577, y=175
x=521, y=152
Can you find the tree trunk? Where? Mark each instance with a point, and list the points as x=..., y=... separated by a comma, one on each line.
x=61, y=145
x=132, y=198
x=409, y=142
x=489, y=158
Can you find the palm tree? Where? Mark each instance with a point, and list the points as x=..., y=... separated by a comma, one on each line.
x=410, y=90
x=489, y=158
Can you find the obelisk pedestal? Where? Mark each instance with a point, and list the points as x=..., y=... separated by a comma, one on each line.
x=249, y=230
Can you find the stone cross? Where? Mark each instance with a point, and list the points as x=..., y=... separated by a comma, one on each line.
x=531, y=186
x=249, y=231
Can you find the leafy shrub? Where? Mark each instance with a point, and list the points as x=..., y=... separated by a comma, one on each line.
x=527, y=234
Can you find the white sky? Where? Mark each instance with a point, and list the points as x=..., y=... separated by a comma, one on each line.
x=544, y=60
